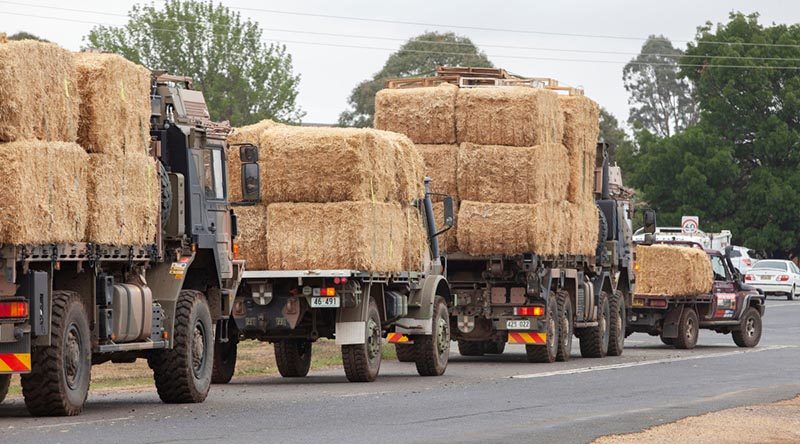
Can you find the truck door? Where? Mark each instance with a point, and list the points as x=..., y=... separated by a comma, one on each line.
x=218, y=214
x=724, y=305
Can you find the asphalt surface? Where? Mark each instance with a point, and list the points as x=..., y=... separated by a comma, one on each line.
x=487, y=399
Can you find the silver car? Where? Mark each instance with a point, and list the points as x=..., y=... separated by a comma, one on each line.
x=774, y=277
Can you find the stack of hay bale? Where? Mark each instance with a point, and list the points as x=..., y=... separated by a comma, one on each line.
x=519, y=160
x=52, y=190
x=669, y=270
x=332, y=199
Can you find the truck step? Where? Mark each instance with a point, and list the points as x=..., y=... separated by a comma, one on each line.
x=132, y=346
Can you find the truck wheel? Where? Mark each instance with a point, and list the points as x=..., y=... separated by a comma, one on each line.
x=5, y=383
x=565, y=335
x=59, y=381
x=433, y=351
x=471, y=348
x=183, y=373
x=547, y=353
x=594, y=340
x=405, y=352
x=749, y=332
x=293, y=357
x=616, y=326
x=668, y=341
x=688, y=328
x=362, y=362
x=494, y=347
x=225, y=355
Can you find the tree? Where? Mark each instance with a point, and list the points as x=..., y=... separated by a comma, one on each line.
x=417, y=57
x=660, y=98
x=243, y=79
x=22, y=35
x=619, y=144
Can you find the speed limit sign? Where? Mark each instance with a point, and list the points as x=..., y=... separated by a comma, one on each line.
x=690, y=224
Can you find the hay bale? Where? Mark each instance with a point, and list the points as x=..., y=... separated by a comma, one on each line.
x=115, y=104
x=448, y=241
x=672, y=270
x=441, y=164
x=584, y=228
x=416, y=240
x=581, y=132
x=38, y=92
x=409, y=168
x=252, y=237
x=43, y=195
x=425, y=115
x=3, y=37
x=506, y=115
x=341, y=235
x=504, y=174
x=336, y=165
x=246, y=134
x=124, y=199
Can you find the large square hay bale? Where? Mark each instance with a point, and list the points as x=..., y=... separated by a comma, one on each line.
x=508, y=115
x=115, y=104
x=409, y=168
x=672, y=270
x=43, y=192
x=247, y=134
x=505, y=174
x=341, y=235
x=252, y=239
x=338, y=164
x=584, y=228
x=38, y=92
x=124, y=199
x=441, y=164
x=425, y=115
x=416, y=240
x=581, y=132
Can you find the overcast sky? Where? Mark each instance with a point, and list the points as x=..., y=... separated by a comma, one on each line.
x=329, y=73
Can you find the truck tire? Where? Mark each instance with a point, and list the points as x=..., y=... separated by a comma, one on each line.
x=594, y=340
x=5, y=383
x=183, y=373
x=166, y=195
x=405, y=352
x=433, y=351
x=494, y=347
x=471, y=348
x=293, y=357
x=225, y=355
x=566, y=316
x=749, y=333
x=547, y=353
x=616, y=326
x=60, y=373
x=362, y=362
x=668, y=341
x=688, y=329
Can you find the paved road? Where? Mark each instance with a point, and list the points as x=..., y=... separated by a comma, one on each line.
x=488, y=399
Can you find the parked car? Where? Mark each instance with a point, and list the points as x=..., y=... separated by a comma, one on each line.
x=742, y=258
x=774, y=277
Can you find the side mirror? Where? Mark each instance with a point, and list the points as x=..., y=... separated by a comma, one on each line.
x=649, y=221
x=248, y=153
x=251, y=182
x=449, y=213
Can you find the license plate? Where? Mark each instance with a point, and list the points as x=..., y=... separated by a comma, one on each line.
x=765, y=278
x=518, y=324
x=325, y=302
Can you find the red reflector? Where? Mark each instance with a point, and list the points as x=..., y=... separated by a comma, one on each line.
x=783, y=278
x=13, y=309
x=529, y=311
x=658, y=303
x=343, y=280
x=337, y=280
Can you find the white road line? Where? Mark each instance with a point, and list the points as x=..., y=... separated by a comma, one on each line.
x=655, y=361
x=784, y=304
x=74, y=423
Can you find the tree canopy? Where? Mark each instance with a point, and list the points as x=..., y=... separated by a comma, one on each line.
x=419, y=56
x=243, y=79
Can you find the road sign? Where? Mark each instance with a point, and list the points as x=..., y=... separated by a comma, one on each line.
x=690, y=224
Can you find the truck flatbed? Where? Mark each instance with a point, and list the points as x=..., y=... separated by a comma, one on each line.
x=283, y=274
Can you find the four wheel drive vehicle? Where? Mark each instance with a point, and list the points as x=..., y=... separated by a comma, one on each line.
x=731, y=307
x=292, y=309
x=543, y=301
x=65, y=307
x=774, y=277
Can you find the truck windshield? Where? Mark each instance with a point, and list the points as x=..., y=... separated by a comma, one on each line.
x=719, y=268
x=775, y=265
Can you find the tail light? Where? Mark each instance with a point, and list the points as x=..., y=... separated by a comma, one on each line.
x=747, y=262
x=536, y=310
x=749, y=277
x=329, y=291
x=340, y=280
x=236, y=250
x=658, y=303
x=13, y=310
x=782, y=277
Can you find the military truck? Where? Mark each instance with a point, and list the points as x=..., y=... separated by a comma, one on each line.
x=543, y=301
x=66, y=307
x=360, y=310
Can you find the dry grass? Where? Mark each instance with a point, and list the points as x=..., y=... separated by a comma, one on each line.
x=658, y=266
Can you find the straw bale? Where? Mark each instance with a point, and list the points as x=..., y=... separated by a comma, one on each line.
x=505, y=115
x=246, y=134
x=341, y=235
x=448, y=241
x=334, y=165
x=672, y=270
x=581, y=132
x=409, y=168
x=3, y=37
x=115, y=104
x=441, y=164
x=425, y=115
x=252, y=239
x=44, y=195
x=584, y=228
x=416, y=240
x=38, y=92
x=504, y=174
x=124, y=199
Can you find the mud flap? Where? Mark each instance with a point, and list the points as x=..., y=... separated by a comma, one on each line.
x=670, y=328
x=351, y=325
